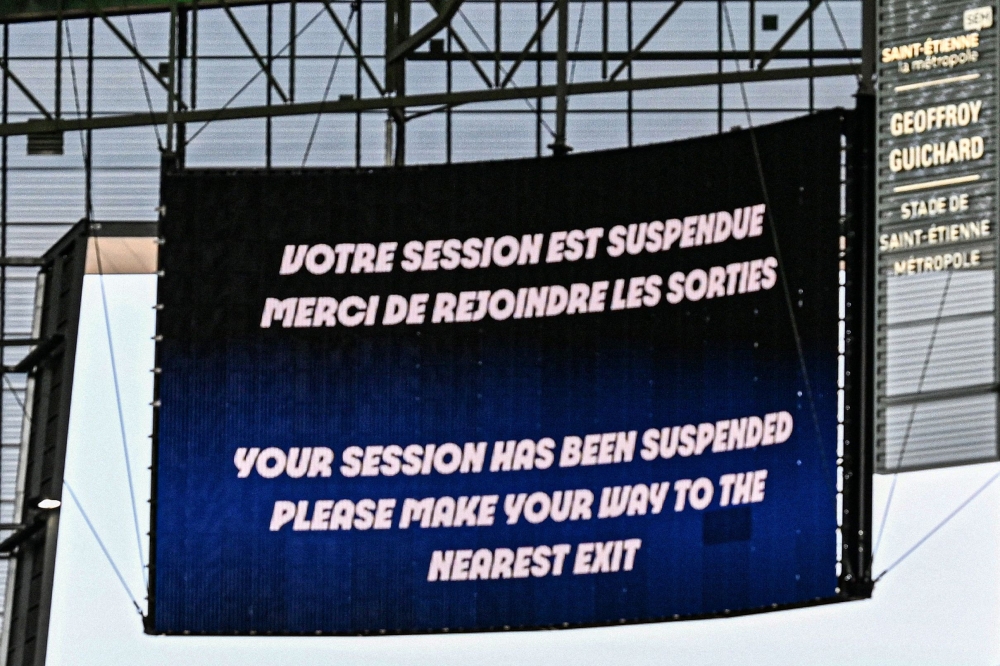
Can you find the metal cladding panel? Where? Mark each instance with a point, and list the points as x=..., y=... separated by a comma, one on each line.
x=939, y=433
x=408, y=438
x=937, y=152
x=948, y=354
x=917, y=298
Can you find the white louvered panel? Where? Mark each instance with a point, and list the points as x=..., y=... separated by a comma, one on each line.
x=962, y=355
x=30, y=240
x=918, y=297
x=956, y=431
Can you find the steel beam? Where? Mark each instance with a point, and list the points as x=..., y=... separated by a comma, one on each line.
x=866, y=85
x=5, y=66
x=656, y=56
x=630, y=56
x=559, y=146
x=445, y=12
x=430, y=99
x=134, y=50
x=38, y=354
x=253, y=50
x=475, y=63
x=171, y=76
x=861, y=295
x=792, y=29
x=397, y=30
x=354, y=48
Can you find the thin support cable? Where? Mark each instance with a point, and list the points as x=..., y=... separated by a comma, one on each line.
x=104, y=549
x=79, y=113
x=913, y=410
x=253, y=78
x=840, y=35
x=121, y=413
x=145, y=86
x=777, y=249
x=937, y=527
x=807, y=382
x=329, y=84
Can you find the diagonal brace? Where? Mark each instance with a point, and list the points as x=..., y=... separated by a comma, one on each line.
x=135, y=53
x=5, y=66
x=630, y=56
x=475, y=63
x=531, y=43
x=792, y=29
x=253, y=51
x=446, y=11
x=354, y=47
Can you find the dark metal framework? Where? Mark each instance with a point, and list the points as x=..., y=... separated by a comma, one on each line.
x=413, y=81
x=49, y=367
x=491, y=69
x=857, y=459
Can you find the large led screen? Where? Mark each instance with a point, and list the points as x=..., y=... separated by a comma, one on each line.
x=536, y=393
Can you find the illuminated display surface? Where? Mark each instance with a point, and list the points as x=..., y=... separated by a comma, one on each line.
x=535, y=393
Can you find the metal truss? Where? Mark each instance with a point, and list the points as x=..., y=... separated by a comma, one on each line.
x=424, y=101
x=439, y=39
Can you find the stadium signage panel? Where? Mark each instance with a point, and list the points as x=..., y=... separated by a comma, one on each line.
x=535, y=393
x=937, y=233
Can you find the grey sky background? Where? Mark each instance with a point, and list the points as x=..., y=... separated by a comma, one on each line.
x=941, y=606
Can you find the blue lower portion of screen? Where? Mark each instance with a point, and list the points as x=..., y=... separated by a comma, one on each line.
x=220, y=569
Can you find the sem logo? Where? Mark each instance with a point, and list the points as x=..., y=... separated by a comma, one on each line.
x=978, y=19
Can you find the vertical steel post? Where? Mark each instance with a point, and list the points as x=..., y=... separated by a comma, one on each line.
x=193, y=101
x=270, y=68
x=559, y=146
x=357, y=84
x=538, y=81
x=860, y=436
x=496, y=43
x=868, y=47
x=604, y=38
x=4, y=641
x=448, y=111
x=391, y=16
x=292, y=15
x=629, y=95
x=397, y=29
x=721, y=94
x=182, y=48
x=812, y=48
x=402, y=32
x=171, y=77
x=59, y=40
x=88, y=164
x=866, y=120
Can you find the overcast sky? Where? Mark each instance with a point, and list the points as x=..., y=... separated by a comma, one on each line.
x=941, y=606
